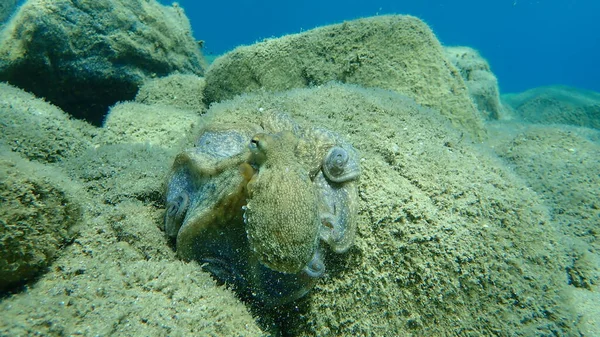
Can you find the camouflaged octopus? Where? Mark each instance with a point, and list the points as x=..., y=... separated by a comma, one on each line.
x=256, y=205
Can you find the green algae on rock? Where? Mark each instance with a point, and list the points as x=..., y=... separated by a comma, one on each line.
x=398, y=53
x=561, y=163
x=117, y=279
x=104, y=173
x=39, y=130
x=86, y=67
x=447, y=234
x=480, y=80
x=39, y=213
x=556, y=105
x=155, y=125
x=182, y=91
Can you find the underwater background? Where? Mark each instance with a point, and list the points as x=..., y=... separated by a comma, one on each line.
x=528, y=43
x=422, y=168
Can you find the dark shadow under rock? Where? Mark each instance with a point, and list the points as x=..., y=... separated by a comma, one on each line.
x=86, y=56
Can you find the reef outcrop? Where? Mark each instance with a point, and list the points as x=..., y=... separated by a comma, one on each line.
x=85, y=56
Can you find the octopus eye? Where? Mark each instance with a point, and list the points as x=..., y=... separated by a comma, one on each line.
x=258, y=147
x=258, y=143
x=175, y=213
x=338, y=166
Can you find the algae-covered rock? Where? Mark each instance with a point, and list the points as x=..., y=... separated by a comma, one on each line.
x=38, y=130
x=117, y=172
x=158, y=125
x=398, y=53
x=480, y=80
x=181, y=91
x=38, y=214
x=121, y=278
x=561, y=163
x=449, y=240
x=557, y=105
x=84, y=56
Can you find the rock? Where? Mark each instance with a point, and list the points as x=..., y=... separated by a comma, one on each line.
x=120, y=277
x=122, y=171
x=587, y=302
x=481, y=82
x=398, y=53
x=38, y=130
x=561, y=164
x=184, y=92
x=165, y=126
x=112, y=49
x=39, y=213
x=447, y=233
x=557, y=105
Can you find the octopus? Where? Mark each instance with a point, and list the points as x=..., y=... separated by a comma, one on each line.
x=259, y=205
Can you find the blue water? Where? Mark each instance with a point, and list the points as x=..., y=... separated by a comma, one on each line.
x=528, y=43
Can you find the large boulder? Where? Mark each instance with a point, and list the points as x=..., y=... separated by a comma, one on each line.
x=121, y=278
x=398, y=53
x=86, y=55
x=131, y=122
x=39, y=211
x=122, y=171
x=449, y=242
x=557, y=105
x=177, y=90
x=480, y=80
x=561, y=163
x=39, y=130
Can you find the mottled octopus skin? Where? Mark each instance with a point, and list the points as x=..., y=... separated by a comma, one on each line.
x=282, y=218
x=196, y=173
x=256, y=204
x=207, y=177
x=337, y=208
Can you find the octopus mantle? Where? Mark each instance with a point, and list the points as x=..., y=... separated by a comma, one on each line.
x=259, y=205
